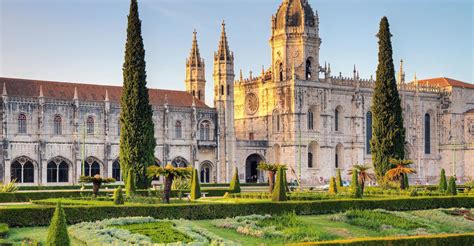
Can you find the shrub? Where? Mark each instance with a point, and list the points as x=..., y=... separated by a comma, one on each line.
x=279, y=192
x=3, y=230
x=452, y=190
x=235, y=183
x=332, y=186
x=376, y=219
x=405, y=181
x=118, y=196
x=57, y=232
x=10, y=187
x=195, y=187
x=355, y=188
x=443, y=185
x=338, y=177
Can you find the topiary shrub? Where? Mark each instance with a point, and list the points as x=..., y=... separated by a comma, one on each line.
x=57, y=232
x=452, y=190
x=235, y=183
x=338, y=177
x=405, y=181
x=355, y=188
x=118, y=196
x=195, y=187
x=332, y=186
x=279, y=191
x=443, y=185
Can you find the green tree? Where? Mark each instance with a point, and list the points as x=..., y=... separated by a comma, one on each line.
x=118, y=196
x=452, y=190
x=271, y=170
x=355, y=188
x=363, y=174
x=279, y=192
x=443, y=184
x=195, y=186
x=405, y=181
x=388, y=139
x=57, y=232
x=235, y=183
x=137, y=141
x=338, y=177
x=170, y=173
x=332, y=186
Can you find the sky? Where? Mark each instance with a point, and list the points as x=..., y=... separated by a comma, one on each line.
x=84, y=40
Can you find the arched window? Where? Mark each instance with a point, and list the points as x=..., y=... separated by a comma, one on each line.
x=95, y=168
x=22, y=123
x=308, y=69
x=204, y=130
x=16, y=171
x=199, y=94
x=52, y=172
x=280, y=71
x=337, y=119
x=90, y=125
x=310, y=120
x=205, y=173
x=278, y=122
x=177, y=129
x=179, y=162
x=91, y=166
x=63, y=172
x=368, y=132
x=427, y=134
x=310, y=160
x=194, y=93
x=228, y=90
x=58, y=129
x=116, y=171
x=222, y=90
x=28, y=172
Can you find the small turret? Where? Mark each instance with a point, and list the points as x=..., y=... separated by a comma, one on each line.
x=195, y=72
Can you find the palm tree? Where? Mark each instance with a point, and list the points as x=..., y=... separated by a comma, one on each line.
x=271, y=171
x=399, y=170
x=170, y=173
x=364, y=175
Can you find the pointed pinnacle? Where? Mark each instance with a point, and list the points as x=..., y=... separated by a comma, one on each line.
x=41, y=91
x=75, y=94
x=4, y=93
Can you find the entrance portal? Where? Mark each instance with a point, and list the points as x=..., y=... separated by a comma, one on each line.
x=252, y=174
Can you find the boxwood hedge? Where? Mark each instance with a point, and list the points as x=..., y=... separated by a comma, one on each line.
x=444, y=239
x=40, y=215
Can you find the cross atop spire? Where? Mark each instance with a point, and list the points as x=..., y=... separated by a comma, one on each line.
x=223, y=53
x=194, y=56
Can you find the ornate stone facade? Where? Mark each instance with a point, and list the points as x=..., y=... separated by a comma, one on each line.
x=296, y=112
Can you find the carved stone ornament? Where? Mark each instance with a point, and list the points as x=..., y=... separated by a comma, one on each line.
x=251, y=103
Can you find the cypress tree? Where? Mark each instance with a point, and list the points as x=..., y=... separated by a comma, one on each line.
x=405, y=181
x=137, y=142
x=279, y=191
x=443, y=185
x=118, y=196
x=355, y=188
x=388, y=140
x=235, y=183
x=195, y=186
x=452, y=190
x=338, y=177
x=57, y=232
x=332, y=186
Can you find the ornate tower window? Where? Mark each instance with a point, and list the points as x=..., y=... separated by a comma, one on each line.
x=280, y=69
x=22, y=123
x=368, y=132
x=177, y=129
x=222, y=90
x=57, y=125
x=308, y=69
x=337, y=119
x=310, y=120
x=427, y=134
x=90, y=125
x=116, y=170
x=204, y=130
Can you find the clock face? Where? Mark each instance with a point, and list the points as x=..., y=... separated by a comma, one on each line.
x=251, y=103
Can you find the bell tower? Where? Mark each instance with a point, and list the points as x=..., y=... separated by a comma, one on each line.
x=295, y=41
x=195, y=72
x=224, y=104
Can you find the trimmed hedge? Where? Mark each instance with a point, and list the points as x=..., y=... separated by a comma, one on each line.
x=38, y=195
x=113, y=186
x=40, y=215
x=443, y=239
x=3, y=230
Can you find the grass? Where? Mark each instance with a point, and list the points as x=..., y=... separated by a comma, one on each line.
x=159, y=232
x=38, y=234
x=377, y=220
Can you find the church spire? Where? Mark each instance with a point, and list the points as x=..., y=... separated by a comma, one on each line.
x=195, y=72
x=223, y=53
x=194, y=55
x=401, y=73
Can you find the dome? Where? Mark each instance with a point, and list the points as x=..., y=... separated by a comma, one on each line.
x=294, y=13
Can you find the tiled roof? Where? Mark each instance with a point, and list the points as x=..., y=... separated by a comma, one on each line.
x=445, y=82
x=91, y=92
